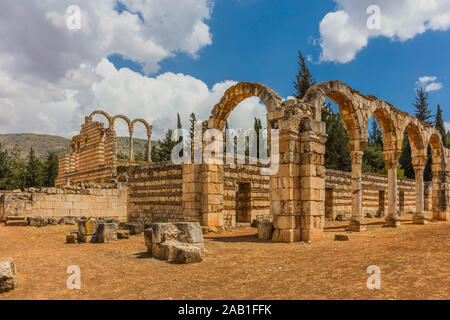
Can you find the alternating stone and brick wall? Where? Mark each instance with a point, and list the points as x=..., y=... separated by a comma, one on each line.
x=338, y=193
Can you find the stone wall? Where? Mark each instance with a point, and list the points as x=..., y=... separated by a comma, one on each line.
x=246, y=194
x=338, y=196
x=79, y=201
x=155, y=192
x=92, y=156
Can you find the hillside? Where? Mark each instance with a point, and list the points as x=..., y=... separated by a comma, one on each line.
x=43, y=143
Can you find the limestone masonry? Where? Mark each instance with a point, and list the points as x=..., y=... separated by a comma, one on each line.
x=294, y=202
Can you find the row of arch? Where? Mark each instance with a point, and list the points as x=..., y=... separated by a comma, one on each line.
x=111, y=120
x=356, y=110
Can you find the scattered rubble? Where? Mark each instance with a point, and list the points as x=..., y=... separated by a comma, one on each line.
x=8, y=280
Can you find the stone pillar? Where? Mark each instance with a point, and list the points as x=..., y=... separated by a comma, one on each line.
x=391, y=157
x=439, y=192
x=357, y=223
x=131, y=144
x=149, y=149
x=419, y=217
x=285, y=185
x=212, y=187
x=312, y=179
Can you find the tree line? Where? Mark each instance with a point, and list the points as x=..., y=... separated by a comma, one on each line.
x=17, y=173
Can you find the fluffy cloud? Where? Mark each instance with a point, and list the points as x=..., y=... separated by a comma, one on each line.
x=50, y=76
x=345, y=31
x=429, y=83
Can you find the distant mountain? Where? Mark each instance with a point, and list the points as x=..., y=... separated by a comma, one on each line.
x=43, y=143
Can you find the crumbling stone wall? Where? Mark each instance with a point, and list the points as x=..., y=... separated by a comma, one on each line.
x=339, y=189
x=74, y=201
x=92, y=156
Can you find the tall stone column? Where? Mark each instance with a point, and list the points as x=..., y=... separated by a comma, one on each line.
x=391, y=157
x=285, y=184
x=131, y=153
x=419, y=217
x=312, y=179
x=149, y=149
x=357, y=223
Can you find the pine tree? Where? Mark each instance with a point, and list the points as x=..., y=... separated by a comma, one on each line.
x=405, y=159
x=304, y=78
x=50, y=169
x=422, y=111
x=34, y=173
x=375, y=135
x=5, y=169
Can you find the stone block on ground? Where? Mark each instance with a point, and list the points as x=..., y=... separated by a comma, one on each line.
x=134, y=227
x=16, y=223
x=184, y=253
x=341, y=237
x=8, y=280
x=265, y=230
x=123, y=234
x=191, y=232
x=106, y=232
x=72, y=238
x=164, y=251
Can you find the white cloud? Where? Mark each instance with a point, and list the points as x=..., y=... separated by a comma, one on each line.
x=429, y=83
x=50, y=75
x=344, y=32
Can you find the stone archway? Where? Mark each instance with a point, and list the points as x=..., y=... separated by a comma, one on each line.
x=438, y=168
x=212, y=174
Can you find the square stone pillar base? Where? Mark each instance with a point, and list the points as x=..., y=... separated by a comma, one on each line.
x=212, y=220
x=392, y=221
x=287, y=235
x=420, y=218
x=441, y=216
x=357, y=224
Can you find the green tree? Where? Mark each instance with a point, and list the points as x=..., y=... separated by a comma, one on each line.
x=34, y=176
x=50, y=169
x=163, y=151
x=405, y=159
x=422, y=112
x=439, y=124
x=5, y=169
x=375, y=135
x=258, y=127
x=304, y=78
x=337, y=154
x=193, y=121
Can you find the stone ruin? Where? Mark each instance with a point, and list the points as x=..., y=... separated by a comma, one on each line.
x=297, y=199
x=179, y=242
x=8, y=280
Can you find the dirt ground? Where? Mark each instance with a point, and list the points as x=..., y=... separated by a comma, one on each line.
x=414, y=262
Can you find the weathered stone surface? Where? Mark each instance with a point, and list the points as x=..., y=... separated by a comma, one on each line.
x=420, y=218
x=191, y=232
x=341, y=237
x=265, y=230
x=134, y=227
x=357, y=224
x=123, y=234
x=16, y=223
x=8, y=279
x=164, y=251
x=185, y=254
x=106, y=232
x=72, y=238
x=392, y=221
x=163, y=232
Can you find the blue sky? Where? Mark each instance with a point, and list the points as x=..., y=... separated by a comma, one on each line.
x=257, y=41
x=152, y=59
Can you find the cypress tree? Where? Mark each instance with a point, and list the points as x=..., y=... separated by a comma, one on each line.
x=50, y=169
x=304, y=78
x=439, y=124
